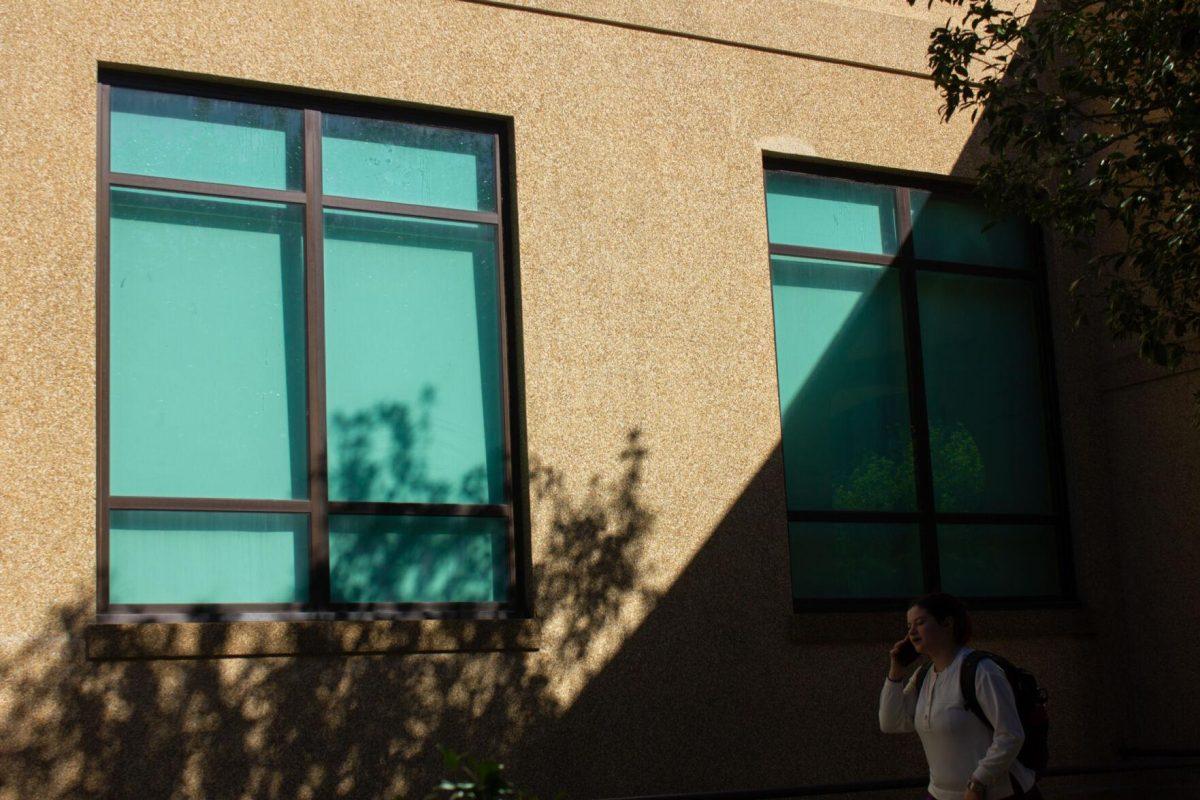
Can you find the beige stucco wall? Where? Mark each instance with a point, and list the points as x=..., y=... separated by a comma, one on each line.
x=668, y=657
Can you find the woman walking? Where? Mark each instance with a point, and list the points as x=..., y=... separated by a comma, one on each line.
x=967, y=761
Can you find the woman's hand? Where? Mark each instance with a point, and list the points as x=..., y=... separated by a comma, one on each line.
x=971, y=794
x=895, y=668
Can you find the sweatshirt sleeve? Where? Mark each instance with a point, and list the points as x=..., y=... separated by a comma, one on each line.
x=995, y=697
x=897, y=707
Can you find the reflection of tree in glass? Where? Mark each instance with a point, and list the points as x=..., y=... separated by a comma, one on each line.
x=877, y=483
x=383, y=456
x=881, y=482
x=957, y=468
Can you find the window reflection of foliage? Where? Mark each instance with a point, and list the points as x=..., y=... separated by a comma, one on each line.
x=957, y=468
x=883, y=482
x=877, y=483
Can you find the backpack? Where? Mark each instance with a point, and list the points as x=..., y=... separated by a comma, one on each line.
x=1030, y=698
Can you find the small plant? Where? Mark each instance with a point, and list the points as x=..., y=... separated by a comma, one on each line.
x=468, y=779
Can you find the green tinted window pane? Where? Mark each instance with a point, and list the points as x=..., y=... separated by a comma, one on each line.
x=404, y=163
x=960, y=230
x=201, y=139
x=412, y=354
x=822, y=212
x=843, y=559
x=839, y=344
x=999, y=560
x=985, y=396
x=411, y=559
x=207, y=557
x=207, y=387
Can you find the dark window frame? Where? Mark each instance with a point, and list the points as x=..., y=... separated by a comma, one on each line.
x=926, y=517
x=317, y=506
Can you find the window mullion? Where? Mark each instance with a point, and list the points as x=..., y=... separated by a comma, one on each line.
x=102, y=346
x=918, y=411
x=410, y=210
x=507, y=413
x=207, y=188
x=314, y=291
x=1054, y=447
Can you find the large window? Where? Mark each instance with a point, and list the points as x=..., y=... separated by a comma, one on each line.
x=916, y=394
x=304, y=402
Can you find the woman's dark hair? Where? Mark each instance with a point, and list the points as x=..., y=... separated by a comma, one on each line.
x=944, y=607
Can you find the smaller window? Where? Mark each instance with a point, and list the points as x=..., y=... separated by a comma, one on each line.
x=915, y=394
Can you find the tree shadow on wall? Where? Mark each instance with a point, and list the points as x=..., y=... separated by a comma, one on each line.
x=360, y=726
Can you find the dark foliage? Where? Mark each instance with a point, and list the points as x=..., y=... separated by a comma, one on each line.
x=1092, y=126
x=471, y=779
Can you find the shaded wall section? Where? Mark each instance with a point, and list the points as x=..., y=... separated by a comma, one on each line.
x=1154, y=463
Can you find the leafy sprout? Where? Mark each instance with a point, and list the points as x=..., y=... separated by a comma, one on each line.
x=471, y=779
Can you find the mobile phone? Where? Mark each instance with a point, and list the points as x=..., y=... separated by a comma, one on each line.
x=907, y=654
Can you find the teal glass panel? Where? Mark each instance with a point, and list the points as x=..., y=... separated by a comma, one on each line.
x=416, y=559
x=999, y=560
x=984, y=392
x=412, y=351
x=843, y=386
x=202, y=139
x=207, y=373
x=405, y=163
x=847, y=559
x=194, y=557
x=823, y=212
x=946, y=229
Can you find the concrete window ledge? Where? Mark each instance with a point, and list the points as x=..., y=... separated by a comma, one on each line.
x=150, y=640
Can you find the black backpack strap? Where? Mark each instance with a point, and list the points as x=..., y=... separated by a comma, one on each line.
x=919, y=677
x=966, y=676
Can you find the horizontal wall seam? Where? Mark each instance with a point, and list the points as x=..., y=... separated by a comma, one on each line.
x=1120, y=385
x=699, y=37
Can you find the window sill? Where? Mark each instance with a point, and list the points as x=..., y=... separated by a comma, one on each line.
x=108, y=641
x=1062, y=619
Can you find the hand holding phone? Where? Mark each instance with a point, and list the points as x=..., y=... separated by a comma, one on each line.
x=904, y=652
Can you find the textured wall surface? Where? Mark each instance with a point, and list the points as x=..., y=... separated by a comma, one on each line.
x=885, y=34
x=668, y=657
x=1154, y=466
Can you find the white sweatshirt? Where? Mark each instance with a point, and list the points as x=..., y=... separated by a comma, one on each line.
x=958, y=746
